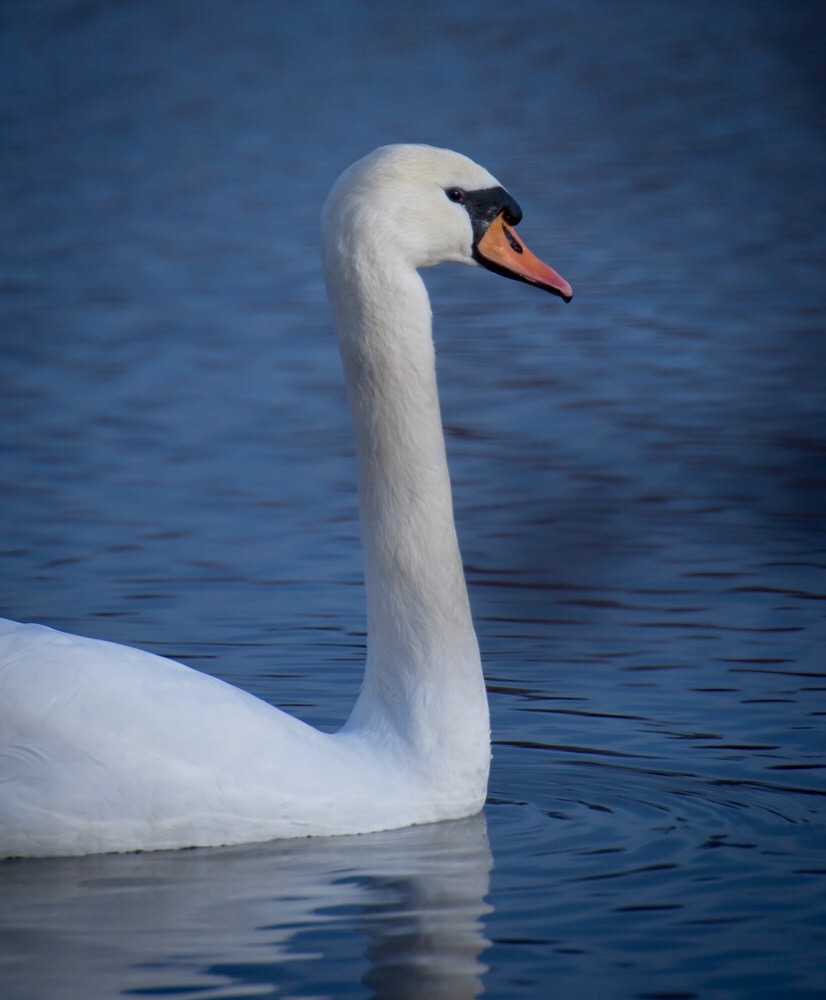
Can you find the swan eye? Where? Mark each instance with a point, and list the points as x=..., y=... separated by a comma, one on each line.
x=455, y=194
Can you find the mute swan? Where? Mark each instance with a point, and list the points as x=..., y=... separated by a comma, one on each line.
x=108, y=748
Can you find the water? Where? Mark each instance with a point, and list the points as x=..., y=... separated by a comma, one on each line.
x=639, y=479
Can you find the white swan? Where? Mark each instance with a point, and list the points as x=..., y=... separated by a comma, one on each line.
x=107, y=748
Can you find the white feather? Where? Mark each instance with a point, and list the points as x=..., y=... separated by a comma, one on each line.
x=107, y=748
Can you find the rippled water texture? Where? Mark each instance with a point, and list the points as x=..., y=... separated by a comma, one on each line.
x=639, y=478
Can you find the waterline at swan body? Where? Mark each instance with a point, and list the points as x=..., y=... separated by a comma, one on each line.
x=108, y=748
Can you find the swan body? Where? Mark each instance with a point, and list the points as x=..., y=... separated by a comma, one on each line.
x=108, y=748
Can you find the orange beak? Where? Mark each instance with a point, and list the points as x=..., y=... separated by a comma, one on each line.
x=499, y=250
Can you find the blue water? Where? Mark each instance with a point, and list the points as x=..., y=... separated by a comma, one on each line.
x=640, y=479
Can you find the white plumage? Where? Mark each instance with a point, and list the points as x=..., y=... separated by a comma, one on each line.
x=108, y=748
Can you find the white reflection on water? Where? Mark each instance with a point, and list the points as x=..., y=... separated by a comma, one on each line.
x=399, y=912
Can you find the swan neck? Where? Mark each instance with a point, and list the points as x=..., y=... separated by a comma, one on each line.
x=418, y=615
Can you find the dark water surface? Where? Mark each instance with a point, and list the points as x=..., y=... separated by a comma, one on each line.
x=640, y=479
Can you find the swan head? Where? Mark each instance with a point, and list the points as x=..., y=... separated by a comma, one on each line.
x=430, y=206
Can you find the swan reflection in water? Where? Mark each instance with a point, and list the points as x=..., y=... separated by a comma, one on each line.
x=232, y=921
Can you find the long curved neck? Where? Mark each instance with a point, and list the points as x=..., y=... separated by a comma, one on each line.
x=423, y=659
